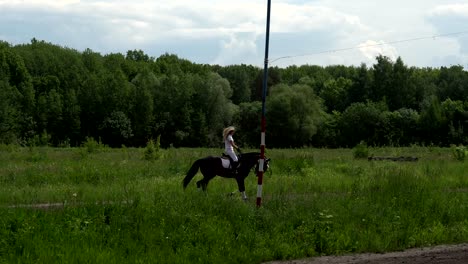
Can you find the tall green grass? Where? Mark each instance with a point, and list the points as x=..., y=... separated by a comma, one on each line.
x=118, y=207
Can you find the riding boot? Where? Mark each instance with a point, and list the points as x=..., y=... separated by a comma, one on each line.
x=234, y=166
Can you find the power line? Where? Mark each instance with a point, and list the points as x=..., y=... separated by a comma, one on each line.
x=371, y=45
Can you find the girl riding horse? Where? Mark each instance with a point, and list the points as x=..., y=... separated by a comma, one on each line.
x=212, y=166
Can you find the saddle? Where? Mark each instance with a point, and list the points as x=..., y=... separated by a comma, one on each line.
x=225, y=157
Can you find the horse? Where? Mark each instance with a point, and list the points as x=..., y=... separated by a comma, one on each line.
x=212, y=166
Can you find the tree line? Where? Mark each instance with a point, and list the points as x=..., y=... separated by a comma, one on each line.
x=59, y=96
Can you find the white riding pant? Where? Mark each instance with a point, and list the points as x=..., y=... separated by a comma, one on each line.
x=233, y=155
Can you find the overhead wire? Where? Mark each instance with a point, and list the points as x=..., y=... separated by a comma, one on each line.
x=371, y=45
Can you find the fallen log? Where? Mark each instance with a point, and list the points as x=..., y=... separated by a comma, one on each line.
x=400, y=158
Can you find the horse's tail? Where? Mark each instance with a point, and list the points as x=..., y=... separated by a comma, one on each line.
x=191, y=173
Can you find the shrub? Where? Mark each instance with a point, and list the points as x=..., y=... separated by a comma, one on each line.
x=360, y=151
x=460, y=152
x=41, y=140
x=152, y=149
x=92, y=146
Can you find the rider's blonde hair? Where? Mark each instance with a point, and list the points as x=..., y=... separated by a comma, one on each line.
x=228, y=130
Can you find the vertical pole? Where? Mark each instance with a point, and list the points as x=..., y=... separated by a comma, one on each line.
x=263, y=122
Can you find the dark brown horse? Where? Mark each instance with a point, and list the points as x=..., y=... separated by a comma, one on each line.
x=211, y=167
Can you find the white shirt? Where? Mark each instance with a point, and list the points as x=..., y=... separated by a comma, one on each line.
x=227, y=144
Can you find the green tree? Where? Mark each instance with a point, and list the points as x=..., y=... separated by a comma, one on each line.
x=54, y=113
x=432, y=122
x=9, y=112
x=360, y=122
x=71, y=123
x=138, y=55
x=291, y=75
x=90, y=100
x=117, y=129
x=383, y=79
x=172, y=107
x=43, y=59
x=241, y=78
x=274, y=77
x=422, y=84
x=294, y=113
x=453, y=83
x=457, y=121
x=248, y=124
x=328, y=132
x=57, y=73
x=143, y=105
x=17, y=94
x=360, y=90
x=48, y=101
x=117, y=92
x=405, y=126
x=318, y=74
x=212, y=98
x=92, y=61
x=400, y=94
x=335, y=93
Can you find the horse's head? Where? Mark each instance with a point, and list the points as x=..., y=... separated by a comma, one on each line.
x=266, y=165
x=249, y=160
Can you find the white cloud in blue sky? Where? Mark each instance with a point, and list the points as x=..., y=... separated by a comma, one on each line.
x=233, y=32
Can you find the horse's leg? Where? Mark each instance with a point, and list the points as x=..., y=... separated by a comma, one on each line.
x=241, y=185
x=199, y=184
x=203, y=183
x=206, y=180
x=244, y=196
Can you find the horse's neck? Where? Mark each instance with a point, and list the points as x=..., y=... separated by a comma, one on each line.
x=249, y=161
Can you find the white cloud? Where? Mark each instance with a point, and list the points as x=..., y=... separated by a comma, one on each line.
x=451, y=18
x=453, y=9
x=39, y=3
x=370, y=49
x=230, y=32
x=300, y=18
x=236, y=49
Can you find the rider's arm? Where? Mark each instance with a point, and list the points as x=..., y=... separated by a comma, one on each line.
x=234, y=144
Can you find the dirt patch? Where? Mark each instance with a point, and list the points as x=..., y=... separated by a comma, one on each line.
x=62, y=205
x=446, y=254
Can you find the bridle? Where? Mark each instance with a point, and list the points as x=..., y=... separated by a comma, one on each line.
x=257, y=167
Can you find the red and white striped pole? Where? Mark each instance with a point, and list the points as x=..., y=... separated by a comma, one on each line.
x=263, y=122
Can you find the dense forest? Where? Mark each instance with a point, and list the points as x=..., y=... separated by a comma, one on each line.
x=53, y=95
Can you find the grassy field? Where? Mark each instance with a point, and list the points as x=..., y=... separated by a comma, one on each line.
x=113, y=206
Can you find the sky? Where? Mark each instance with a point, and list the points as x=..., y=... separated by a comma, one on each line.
x=424, y=33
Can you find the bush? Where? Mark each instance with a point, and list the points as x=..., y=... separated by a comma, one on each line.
x=460, y=152
x=360, y=151
x=152, y=149
x=41, y=140
x=92, y=146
